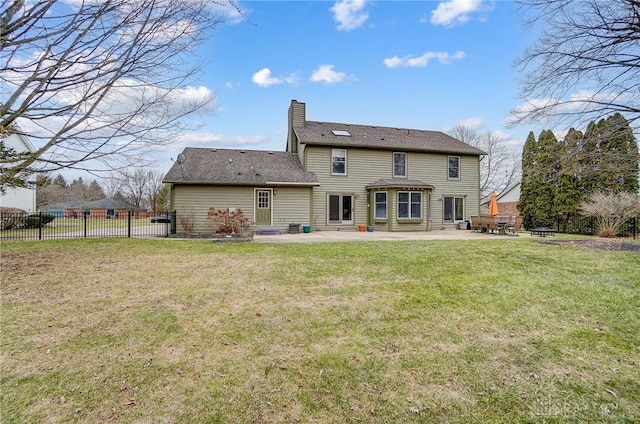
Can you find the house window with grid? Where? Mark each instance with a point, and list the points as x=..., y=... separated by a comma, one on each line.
x=410, y=205
x=338, y=162
x=399, y=164
x=263, y=200
x=454, y=167
x=380, y=211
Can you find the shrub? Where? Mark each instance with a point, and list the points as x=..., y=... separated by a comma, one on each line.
x=11, y=217
x=187, y=221
x=228, y=222
x=37, y=220
x=611, y=211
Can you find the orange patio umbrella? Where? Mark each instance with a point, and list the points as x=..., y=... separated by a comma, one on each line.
x=493, y=205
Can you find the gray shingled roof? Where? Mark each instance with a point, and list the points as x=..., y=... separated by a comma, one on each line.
x=320, y=133
x=239, y=167
x=399, y=182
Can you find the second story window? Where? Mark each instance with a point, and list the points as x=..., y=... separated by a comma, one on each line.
x=454, y=167
x=338, y=162
x=399, y=164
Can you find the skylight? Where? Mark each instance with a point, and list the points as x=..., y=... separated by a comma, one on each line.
x=341, y=133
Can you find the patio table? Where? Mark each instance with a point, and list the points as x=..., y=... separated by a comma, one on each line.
x=543, y=232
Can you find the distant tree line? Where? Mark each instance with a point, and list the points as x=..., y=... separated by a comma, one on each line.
x=558, y=177
x=139, y=189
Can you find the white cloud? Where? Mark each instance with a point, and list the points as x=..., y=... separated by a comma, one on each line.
x=349, y=14
x=422, y=61
x=473, y=123
x=292, y=79
x=454, y=12
x=583, y=101
x=327, y=75
x=264, y=79
x=218, y=140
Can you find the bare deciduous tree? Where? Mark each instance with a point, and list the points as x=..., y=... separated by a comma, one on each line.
x=585, y=64
x=134, y=185
x=97, y=84
x=154, y=190
x=500, y=168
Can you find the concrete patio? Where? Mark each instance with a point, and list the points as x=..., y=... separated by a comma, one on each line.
x=338, y=236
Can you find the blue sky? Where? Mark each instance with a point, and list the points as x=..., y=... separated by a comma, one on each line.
x=410, y=64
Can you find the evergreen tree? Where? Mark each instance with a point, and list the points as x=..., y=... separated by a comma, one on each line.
x=95, y=191
x=540, y=170
x=611, y=162
x=60, y=181
x=620, y=155
x=590, y=159
x=570, y=192
x=558, y=177
x=526, y=203
x=547, y=170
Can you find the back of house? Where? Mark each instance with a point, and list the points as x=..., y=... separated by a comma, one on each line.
x=334, y=176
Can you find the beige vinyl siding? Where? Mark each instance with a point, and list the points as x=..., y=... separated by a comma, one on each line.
x=289, y=204
x=365, y=166
x=195, y=201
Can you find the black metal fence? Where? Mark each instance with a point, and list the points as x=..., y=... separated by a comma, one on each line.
x=96, y=224
x=88, y=224
x=582, y=225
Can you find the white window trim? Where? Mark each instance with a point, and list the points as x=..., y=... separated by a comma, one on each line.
x=459, y=166
x=375, y=204
x=464, y=205
x=341, y=202
x=345, y=161
x=406, y=165
x=410, y=218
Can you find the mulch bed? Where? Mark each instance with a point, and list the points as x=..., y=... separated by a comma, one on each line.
x=602, y=244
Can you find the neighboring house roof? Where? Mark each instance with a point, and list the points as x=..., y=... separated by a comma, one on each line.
x=373, y=137
x=510, y=194
x=18, y=141
x=239, y=167
x=96, y=204
x=399, y=183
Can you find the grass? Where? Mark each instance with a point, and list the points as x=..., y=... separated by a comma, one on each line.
x=127, y=330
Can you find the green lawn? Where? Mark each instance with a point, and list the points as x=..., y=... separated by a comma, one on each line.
x=148, y=331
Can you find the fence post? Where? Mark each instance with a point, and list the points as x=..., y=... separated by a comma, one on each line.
x=129, y=214
x=40, y=225
x=85, y=215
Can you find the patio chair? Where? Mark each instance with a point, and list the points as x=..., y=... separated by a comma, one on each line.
x=517, y=224
x=475, y=224
x=491, y=224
